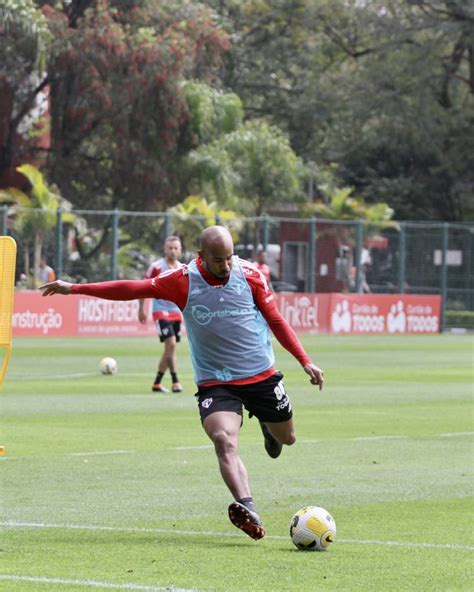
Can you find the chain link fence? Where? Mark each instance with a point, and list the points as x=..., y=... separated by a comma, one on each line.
x=304, y=255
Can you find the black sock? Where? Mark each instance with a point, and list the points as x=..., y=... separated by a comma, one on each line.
x=248, y=503
x=158, y=378
x=174, y=377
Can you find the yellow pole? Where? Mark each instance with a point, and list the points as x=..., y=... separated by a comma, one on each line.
x=7, y=295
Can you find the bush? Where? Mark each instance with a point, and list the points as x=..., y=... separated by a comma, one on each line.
x=460, y=318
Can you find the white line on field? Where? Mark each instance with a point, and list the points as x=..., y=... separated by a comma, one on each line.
x=52, y=376
x=307, y=441
x=355, y=439
x=386, y=437
x=453, y=434
x=418, y=545
x=193, y=447
x=91, y=583
x=26, y=377
x=12, y=524
x=361, y=438
x=369, y=438
x=99, y=452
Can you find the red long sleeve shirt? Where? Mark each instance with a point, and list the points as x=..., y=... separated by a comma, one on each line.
x=174, y=285
x=160, y=313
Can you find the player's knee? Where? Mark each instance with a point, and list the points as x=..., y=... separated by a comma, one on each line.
x=224, y=443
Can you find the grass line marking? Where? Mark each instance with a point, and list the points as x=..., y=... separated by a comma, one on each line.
x=354, y=439
x=32, y=525
x=370, y=438
x=27, y=377
x=454, y=434
x=387, y=437
x=408, y=544
x=193, y=447
x=99, y=452
x=91, y=583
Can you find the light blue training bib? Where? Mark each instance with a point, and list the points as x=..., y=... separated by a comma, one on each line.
x=165, y=306
x=228, y=336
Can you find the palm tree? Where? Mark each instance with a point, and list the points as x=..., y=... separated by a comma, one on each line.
x=35, y=213
x=339, y=204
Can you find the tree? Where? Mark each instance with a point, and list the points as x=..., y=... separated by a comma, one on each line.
x=35, y=213
x=119, y=119
x=24, y=44
x=213, y=112
x=253, y=168
x=404, y=136
x=24, y=40
x=119, y=122
x=384, y=89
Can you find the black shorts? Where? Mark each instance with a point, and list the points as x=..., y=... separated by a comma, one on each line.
x=267, y=400
x=168, y=329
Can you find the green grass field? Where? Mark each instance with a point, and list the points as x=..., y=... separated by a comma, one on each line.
x=107, y=486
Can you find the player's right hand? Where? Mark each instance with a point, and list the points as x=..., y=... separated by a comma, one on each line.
x=57, y=287
x=142, y=317
x=316, y=374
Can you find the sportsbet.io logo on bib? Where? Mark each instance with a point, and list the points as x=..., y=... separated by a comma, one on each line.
x=203, y=315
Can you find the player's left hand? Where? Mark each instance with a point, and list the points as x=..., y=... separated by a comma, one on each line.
x=316, y=374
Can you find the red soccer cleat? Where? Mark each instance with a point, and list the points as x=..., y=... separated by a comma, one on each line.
x=248, y=521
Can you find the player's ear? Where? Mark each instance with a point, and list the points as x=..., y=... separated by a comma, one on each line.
x=200, y=253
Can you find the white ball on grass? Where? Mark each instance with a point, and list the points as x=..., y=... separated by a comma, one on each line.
x=108, y=366
x=313, y=529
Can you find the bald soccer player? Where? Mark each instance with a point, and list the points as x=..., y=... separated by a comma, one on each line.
x=228, y=310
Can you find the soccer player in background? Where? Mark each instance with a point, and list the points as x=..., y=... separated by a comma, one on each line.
x=167, y=317
x=227, y=308
x=261, y=265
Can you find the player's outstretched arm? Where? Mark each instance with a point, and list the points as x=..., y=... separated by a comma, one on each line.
x=315, y=373
x=113, y=290
x=57, y=287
